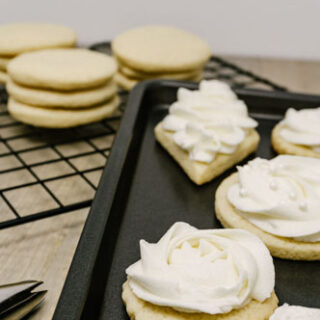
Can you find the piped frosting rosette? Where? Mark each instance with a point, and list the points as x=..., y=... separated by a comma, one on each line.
x=302, y=127
x=209, y=271
x=208, y=121
x=280, y=196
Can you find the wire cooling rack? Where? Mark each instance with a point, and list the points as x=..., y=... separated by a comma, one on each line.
x=45, y=172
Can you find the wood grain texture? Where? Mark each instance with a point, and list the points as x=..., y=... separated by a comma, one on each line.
x=43, y=250
x=299, y=76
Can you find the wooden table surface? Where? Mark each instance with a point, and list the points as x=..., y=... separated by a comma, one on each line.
x=43, y=250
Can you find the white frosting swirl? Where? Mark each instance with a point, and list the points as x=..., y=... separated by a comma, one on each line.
x=286, y=312
x=280, y=196
x=302, y=127
x=210, y=271
x=208, y=121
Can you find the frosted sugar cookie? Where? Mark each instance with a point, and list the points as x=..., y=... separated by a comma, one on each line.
x=22, y=37
x=298, y=133
x=286, y=312
x=60, y=118
x=192, y=274
x=63, y=99
x=207, y=131
x=160, y=49
x=279, y=201
x=62, y=69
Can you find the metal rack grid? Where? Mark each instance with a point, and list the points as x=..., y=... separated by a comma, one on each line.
x=50, y=162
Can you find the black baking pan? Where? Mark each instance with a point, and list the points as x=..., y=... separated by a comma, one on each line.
x=143, y=192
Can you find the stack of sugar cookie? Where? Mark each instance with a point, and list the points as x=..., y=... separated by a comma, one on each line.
x=24, y=37
x=59, y=88
x=159, y=52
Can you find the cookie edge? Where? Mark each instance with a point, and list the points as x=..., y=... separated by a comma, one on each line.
x=201, y=173
x=279, y=247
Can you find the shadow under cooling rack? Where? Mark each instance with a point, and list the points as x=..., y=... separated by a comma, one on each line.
x=49, y=172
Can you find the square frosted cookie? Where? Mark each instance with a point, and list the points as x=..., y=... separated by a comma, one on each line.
x=201, y=172
x=207, y=131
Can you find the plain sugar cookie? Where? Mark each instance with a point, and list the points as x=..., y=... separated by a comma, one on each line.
x=131, y=73
x=63, y=99
x=62, y=69
x=3, y=77
x=60, y=118
x=23, y=37
x=4, y=62
x=127, y=83
x=279, y=247
x=138, y=309
x=160, y=49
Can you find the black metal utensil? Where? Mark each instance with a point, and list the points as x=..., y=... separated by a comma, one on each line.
x=18, y=299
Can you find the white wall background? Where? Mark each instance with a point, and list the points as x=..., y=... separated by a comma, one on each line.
x=275, y=28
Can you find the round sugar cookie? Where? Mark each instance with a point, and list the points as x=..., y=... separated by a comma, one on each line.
x=62, y=99
x=125, y=82
x=160, y=49
x=138, y=309
x=135, y=74
x=3, y=77
x=62, y=69
x=22, y=37
x=282, y=146
x=4, y=62
x=280, y=247
x=60, y=118
x=197, y=78
x=128, y=83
